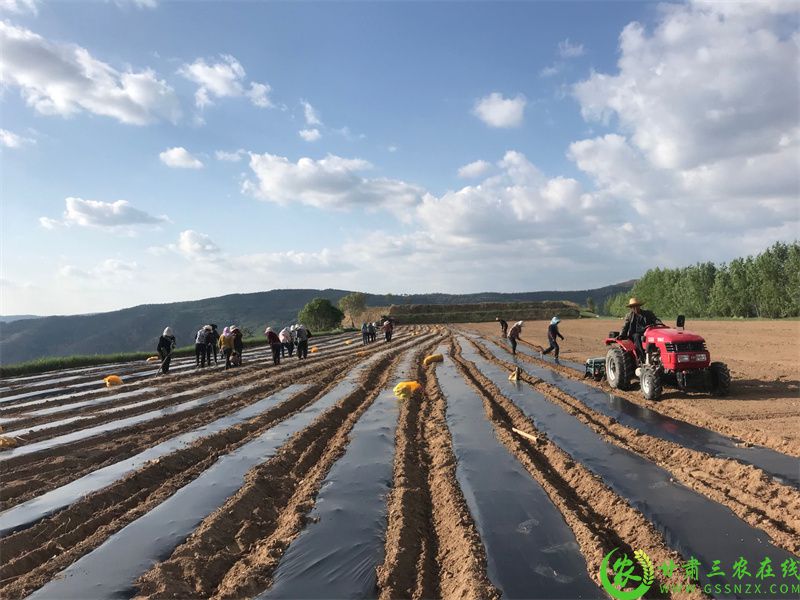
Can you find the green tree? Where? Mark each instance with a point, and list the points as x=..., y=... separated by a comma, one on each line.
x=320, y=315
x=590, y=306
x=353, y=304
x=616, y=305
x=772, y=296
x=722, y=297
x=791, y=275
x=741, y=288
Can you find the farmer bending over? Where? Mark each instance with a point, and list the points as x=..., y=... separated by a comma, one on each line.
x=503, y=326
x=166, y=344
x=514, y=335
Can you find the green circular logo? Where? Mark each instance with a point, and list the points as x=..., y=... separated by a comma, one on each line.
x=625, y=576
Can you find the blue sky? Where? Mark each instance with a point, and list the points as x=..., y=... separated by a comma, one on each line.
x=388, y=147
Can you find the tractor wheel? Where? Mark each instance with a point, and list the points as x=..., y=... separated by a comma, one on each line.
x=619, y=368
x=720, y=379
x=650, y=383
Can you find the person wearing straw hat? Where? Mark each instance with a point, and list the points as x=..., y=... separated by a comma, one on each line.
x=636, y=322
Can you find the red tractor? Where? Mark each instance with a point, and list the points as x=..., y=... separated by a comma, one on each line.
x=672, y=356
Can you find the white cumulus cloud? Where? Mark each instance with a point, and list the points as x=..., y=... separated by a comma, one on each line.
x=101, y=215
x=518, y=203
x=111, y=269
x=710, y=81
x=331, y=182
x=498, y=111
x=259, y=94
x=65, y=79
x=225, y=78
x=310, y=113
x=235, y=156
x=180, y=158
x=196, y=246
x=707, y=124
x=19, y=7
x=9, y=139
x=310, y=135
x=474, y=169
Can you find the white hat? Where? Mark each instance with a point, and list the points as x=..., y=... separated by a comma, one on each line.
x=520, y=323
x=207, y=327
x=167, y=331
x=268, y=329
x=555, y=321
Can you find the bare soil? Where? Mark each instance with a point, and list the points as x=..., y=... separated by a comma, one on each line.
x=763, y=356
x=432, y=547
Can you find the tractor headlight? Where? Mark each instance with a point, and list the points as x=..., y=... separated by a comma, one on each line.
x=682, y=358
x=701, y=357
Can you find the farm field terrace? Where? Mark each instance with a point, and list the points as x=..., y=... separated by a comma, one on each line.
x=311, y=479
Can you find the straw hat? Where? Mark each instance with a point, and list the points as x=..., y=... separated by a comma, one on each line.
x=634, y=302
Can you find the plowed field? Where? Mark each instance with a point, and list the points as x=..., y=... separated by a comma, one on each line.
x=310, y=479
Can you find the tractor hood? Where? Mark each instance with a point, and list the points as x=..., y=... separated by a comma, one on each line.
x=667, y=334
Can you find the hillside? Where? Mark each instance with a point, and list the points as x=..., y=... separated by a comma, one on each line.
x=483, y=311
x=12, y=318
x=138, y=328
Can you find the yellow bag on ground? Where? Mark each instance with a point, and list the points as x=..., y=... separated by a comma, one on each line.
x=113, y=380
x=432, y=358
x=314, y=349
x=153, y=359
x=348, y=342
x=406, y=389
x=8, y=442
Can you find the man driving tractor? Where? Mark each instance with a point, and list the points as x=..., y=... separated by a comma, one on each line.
x=636, y=322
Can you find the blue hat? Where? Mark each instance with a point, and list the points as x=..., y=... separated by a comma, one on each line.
x=555, y=321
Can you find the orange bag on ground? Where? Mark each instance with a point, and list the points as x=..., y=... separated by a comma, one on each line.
x=113, y=380
x=405, y=389
x=432, y=358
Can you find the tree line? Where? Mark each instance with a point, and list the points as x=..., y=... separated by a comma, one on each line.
x=766, y=285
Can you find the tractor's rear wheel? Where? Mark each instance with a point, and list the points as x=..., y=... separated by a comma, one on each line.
x=619, y=368
x=650, y=383
x=720, y=379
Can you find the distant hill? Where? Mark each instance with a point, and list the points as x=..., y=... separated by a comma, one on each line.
x=138, y=328
x=12, y=318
